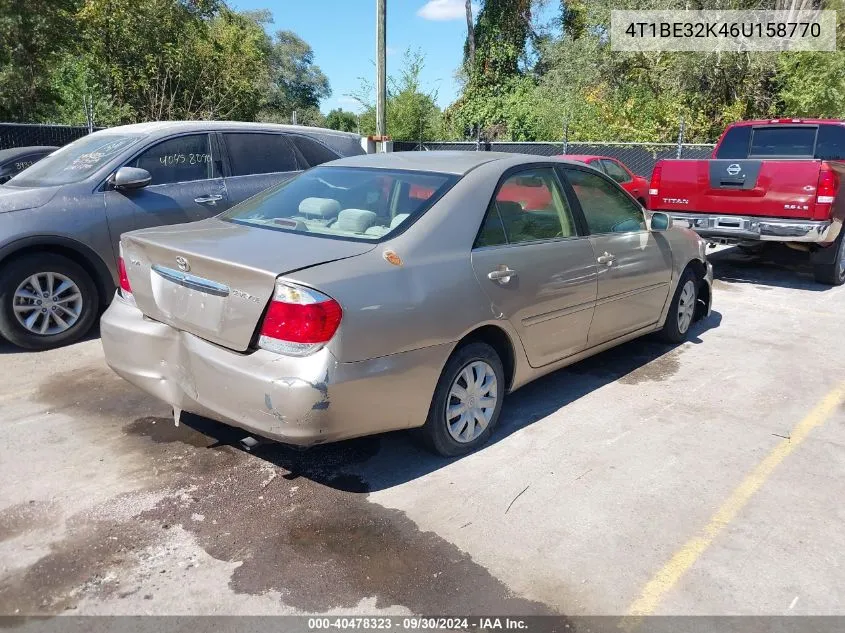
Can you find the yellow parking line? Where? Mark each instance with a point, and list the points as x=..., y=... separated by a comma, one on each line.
x=684, y=558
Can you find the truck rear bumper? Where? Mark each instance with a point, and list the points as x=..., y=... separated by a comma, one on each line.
x=741, y=228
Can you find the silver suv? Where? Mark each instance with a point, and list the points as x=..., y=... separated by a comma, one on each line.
x=61, y=219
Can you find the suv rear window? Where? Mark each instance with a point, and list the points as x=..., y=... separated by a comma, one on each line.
x=344, y=202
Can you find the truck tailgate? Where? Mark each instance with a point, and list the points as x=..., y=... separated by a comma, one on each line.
x=767, y=188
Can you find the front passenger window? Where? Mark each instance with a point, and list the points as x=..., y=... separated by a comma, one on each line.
x=180, y=159
x=606, y=208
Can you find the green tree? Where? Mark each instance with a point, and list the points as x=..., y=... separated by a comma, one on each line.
x=33, y=36
x=339, y=119
x=296, y=82
x=412, y=113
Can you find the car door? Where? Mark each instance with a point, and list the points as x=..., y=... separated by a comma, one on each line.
x=634, y=264
x=256, y=161
x=536, y=268
x=622, y=176
x=186, y=186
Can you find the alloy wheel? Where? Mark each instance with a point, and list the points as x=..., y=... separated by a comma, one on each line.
x=47, y=303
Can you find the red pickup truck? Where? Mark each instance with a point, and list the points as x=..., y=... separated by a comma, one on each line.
x=769, y=180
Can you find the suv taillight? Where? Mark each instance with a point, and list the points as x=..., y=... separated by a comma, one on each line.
x=299, y=320
x=654, y=187
x=125, y=288
x=825, y=191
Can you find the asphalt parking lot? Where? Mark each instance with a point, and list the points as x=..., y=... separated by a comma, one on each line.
x=700, y=479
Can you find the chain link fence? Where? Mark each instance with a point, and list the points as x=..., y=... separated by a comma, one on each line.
x=27, y=134
x=639, y=157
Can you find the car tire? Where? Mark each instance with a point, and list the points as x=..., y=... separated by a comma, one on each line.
x=453, y=437
x=832, y=273
x=681, y=313
x=68, y=318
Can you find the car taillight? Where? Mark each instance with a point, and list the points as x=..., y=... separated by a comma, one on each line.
x=299, y=320
x=654, y=187
x=125, y=288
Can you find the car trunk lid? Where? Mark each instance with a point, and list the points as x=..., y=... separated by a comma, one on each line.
x=214, y=278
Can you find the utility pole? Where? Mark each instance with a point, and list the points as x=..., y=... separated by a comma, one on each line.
x=381, y=69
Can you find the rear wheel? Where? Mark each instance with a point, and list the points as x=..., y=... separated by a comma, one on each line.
x=467, y=401
x=832, y=272
x=682, y=309
x=46, y=300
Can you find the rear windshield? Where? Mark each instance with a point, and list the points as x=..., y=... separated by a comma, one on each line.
x=343, y=202
x=784, y=142
x=74, y=162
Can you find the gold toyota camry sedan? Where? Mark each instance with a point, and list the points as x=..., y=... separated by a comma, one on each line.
x=397, y=291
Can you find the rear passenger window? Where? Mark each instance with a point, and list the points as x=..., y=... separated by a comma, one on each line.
x=831, y=142
x=735, y=143
x=605, y=207
x=253, y=153
x=313, y=152
x=613, y=170
x=528, y=207
x=179, y=159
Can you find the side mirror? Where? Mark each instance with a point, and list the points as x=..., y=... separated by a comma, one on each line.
x=128, y=178
x=659, y=222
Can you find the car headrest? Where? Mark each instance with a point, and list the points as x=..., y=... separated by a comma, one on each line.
x=508, y=209
x=354, y=220
x=322, y=207
x=398, y=219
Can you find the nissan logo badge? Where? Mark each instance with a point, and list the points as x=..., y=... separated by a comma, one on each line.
x=734, y=169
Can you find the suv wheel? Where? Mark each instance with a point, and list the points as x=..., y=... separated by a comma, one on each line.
x=46, y=301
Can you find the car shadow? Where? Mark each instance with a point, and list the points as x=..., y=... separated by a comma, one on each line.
x=775, y=266
x=378, y=462
x=8, y=348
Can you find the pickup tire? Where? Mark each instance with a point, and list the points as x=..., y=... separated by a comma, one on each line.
x=832, y=271
x=681, y=313
x=46, y=300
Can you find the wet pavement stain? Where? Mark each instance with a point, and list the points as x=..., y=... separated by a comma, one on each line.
x=295, y=520
x=79, y=564
x=324, y=548
x=95, y=390
x=23, y=517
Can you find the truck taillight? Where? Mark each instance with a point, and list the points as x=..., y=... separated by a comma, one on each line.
x=299, y=320
x=826, y=189
x=654, y=187
x=125, y=288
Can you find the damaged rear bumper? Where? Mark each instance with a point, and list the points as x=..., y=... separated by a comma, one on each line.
x=302, y=401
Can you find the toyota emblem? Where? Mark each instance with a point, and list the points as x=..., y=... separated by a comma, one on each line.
x=183, y=264
x=734, y=169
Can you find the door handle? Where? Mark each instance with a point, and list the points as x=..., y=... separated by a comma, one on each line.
x=606, y=258
x=208, y=199
x=501, y=275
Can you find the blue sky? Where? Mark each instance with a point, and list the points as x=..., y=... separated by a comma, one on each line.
x=342, y=34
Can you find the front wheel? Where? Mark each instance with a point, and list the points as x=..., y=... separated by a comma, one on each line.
x=467, y=401
x=46, y=300
x=681, y=310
